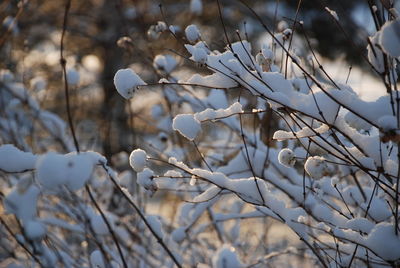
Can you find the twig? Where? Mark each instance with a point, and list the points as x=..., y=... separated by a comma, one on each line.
x=63, y=63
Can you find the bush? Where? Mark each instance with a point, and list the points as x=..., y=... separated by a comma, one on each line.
x=257, y=143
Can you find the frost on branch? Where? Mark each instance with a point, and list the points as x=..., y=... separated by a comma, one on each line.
x=126, y=81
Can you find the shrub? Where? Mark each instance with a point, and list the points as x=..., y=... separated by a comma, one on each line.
x=253, y=141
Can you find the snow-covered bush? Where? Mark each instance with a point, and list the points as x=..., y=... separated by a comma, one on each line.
x=254, y=137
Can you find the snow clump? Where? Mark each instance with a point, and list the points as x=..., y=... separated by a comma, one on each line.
x=155, y=30
x=389, y=38
x=72, y=170
x=15, y=160
x=226, y=257
x=22, y=200
x=72, y=76
x=286, y=157
x=126, y=81
x=316, y=167
x=179, y=234
x=35, y=230
x=38, y=83
x=384, y=242
x=387, y=122
x=196, y=7
x=138, y=159
x=96, y=259
x=187, y=125
x=165, y=63
x=333, y=13
x=192, y=33
x=145, y=179
x=155, y=224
